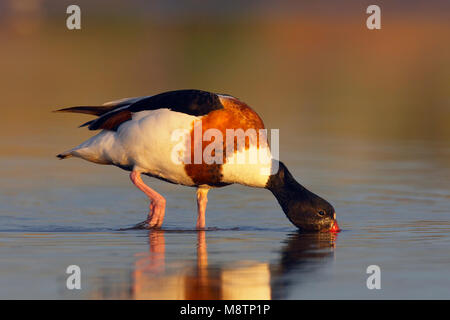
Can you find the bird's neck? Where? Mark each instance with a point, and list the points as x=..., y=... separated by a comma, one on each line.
x=286, y=189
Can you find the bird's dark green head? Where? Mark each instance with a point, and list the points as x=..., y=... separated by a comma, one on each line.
x=306, y=210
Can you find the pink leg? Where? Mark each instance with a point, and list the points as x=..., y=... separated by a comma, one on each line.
x=157, y=201
x=202, y=200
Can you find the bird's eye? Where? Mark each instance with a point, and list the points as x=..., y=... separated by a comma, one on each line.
x=321, y=212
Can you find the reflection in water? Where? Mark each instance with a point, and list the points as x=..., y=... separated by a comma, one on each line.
x=245, y=279
x=305, y=253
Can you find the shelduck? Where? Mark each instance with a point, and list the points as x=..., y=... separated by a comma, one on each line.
x=170, y=135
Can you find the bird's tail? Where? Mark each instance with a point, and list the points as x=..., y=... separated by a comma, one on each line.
x=65, y=155
x=92, y=110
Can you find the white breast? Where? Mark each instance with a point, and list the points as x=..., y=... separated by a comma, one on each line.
x=250, y=173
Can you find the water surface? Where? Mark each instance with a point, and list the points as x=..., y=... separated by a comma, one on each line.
x=363, y=118
x=392, y=201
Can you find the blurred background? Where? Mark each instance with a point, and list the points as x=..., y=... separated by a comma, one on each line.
x=309, y=68
x=364, y=120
